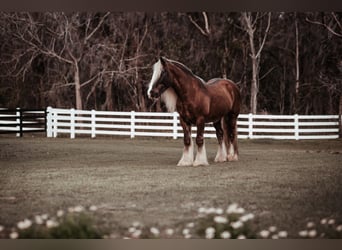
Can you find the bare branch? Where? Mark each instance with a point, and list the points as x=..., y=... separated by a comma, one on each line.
x=205, y=31
x=326, y=26
x=265, y=36
x=97, y=27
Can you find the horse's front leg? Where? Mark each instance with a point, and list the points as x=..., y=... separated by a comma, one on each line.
x=188, y=151
x=201, y=156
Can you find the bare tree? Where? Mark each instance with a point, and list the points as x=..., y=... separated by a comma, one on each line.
x=58, y=36
x=297, y=67
x=249, y=23
x=332, y=22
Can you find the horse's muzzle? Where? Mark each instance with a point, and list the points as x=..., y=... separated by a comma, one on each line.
x=153, y=94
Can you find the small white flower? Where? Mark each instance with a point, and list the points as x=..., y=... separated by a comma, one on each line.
x=236, y=224
x=1, y=228
x=131, y=229
x=272, y=229
x=324, y=221
x=60, y=213
x=226, y=235
x=92, y=208
x=169, y=231
x=202, y=210
x=51, y=223
x=211, y=210
x=24, y=224
x=339, y=228
x=282, y=234
x=44, y=216
x=275, y=237
x=14, y=235
x=190, y=225
x=331, y=221
x=38, y=219
x=219, y=211
x=71, y=209
x=232, y=208
x=78, y=209
x=240, y=210
x=210, y=230
x=241, y=237
x=154, y=231
x=264, y=234
x=186, y=231
x=220, y=219
x=187, y=236
x=312, y=233
x=136, y=233
x=247, y=217
x=310, y=224
x=210, y=233
x=303, y=233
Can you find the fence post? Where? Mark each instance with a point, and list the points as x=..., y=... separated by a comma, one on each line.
x=93, y=123
x=132, y=123
x=17, y=114
x=296, y=127
x=175, y=123
x=72, y=123
x=49, y=122
x=250, y=125
x=55, y=123
x=21, y=123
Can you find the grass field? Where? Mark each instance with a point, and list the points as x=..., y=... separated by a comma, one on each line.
x=284, y=183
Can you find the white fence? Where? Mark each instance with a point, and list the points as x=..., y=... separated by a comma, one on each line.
x=93, y=123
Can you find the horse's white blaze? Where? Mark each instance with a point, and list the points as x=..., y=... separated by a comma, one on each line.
x=169, y=97
x=201, y=157
x=221, y=155
x=157, y=69
x=188, y=156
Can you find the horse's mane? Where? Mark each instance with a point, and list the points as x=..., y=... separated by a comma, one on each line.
x=186, y=69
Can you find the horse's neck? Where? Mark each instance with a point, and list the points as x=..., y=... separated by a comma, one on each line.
x=185, y=86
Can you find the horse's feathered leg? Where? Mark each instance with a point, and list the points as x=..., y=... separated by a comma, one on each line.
x=221, y=155
x=201, y=156
x=188, y=151
x=233, y=152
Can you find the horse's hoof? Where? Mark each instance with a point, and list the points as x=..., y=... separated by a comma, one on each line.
x=218, y=160
x=184, y=164
x=233, y=158
x=197, y=164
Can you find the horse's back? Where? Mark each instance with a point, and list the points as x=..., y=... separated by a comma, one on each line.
x=227, y=89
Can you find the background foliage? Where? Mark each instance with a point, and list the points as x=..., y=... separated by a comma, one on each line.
x=103, y=60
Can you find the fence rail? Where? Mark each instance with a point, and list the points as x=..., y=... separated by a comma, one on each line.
x=22, y=121
x=93, y=123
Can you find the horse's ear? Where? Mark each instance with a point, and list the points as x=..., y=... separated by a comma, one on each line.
x=162, y=60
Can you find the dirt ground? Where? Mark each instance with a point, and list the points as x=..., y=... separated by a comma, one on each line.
x=284, y=183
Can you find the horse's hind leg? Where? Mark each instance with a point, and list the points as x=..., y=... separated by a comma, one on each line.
x=231, y=126
x=221, y=155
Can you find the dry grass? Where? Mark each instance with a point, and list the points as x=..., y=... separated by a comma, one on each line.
x=284, y=183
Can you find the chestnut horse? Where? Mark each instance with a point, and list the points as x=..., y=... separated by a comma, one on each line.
x=197, y=103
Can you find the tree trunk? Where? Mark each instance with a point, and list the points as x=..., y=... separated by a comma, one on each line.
x=78, y=87
x=254, y=86
x=108, y=104
x=295, y=104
